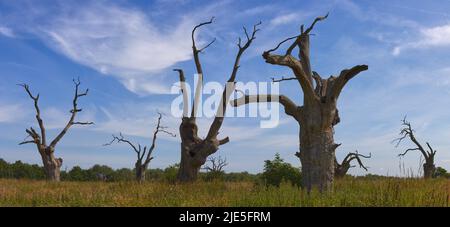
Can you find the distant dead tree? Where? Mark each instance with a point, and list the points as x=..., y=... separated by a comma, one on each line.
x=52, y=165
x=216, y=164
x=341, y=169
x=195, y=150
x=144, y=155
x=317, y=116
x=408, y=132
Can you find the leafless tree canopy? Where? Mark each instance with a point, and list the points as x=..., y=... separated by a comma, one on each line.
x=51, y=164
x=407, y=132
x=216, y=164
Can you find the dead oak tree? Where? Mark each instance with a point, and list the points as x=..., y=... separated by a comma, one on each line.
x=407, y=132
x=341, y=169
x=52, y=165
x=195, y=150
x=144, y=155
x=318, y=114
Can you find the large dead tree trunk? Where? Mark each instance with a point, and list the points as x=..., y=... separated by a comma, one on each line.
x=341, y=169
x=52, y=165
x=144, y=155
x=318, y=114
x=407, y=132
x=195, y=150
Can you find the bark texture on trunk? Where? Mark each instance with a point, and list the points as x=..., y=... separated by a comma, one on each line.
x=340, y=170
x=317, y=153
x=428, y=169
x=140, y=172
x=52, y=166
x=319, y=113
x=194, y=150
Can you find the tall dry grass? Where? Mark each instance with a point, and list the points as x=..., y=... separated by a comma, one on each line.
x=347, y=192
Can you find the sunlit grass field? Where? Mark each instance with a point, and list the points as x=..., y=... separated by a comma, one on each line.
x=347, y=192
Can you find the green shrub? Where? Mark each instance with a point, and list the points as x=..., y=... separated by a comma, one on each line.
x=277, y=171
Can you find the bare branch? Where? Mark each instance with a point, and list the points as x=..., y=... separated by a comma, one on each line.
x=216, y=164
x=352, y=156
x=82, y=123
x=279, y=44
x=184, y=92
x=218, y=120
x=209, y=44
x=158, y=129
x=73, y=112
x=289, y=106
x=283, y=79
x=38, y=113
x=194, y=47
x=121, y=139
x=407, y=150
x=408, y=132
x=224, y=141
x=28, y=141
x=314, y=23
x=343, y=78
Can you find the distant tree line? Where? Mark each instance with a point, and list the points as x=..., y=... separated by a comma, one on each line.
x=275, y=172
x=20, y=170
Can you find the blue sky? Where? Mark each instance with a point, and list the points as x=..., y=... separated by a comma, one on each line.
x=124, y=52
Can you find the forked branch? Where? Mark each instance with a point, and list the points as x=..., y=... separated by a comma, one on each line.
x=408, y=132
x=230, y=86
x=73, y=112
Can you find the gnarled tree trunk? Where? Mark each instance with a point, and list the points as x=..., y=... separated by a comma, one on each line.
x=317, y=147
x=428, y=169
x=52, y=167
x=341, y=169
x=195, y=150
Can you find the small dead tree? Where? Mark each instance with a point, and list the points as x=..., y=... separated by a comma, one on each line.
x=341, y=169
x=318, y=114
x=195, y=150
x=52, y=165
x=144, y=155
x=408, y=132
x=216, y=164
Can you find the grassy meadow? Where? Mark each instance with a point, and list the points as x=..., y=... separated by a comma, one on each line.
x=347, y=192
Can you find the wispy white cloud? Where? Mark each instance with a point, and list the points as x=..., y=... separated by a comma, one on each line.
x=120, y=41
x=5, y=31
x=10, y=113
x=284, y=19
x=438, y=36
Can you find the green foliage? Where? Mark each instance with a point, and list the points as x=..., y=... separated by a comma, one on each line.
x=213, y=176
x=441, y=172
x=20, y=170
x=170, y=173
x=277, y=171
